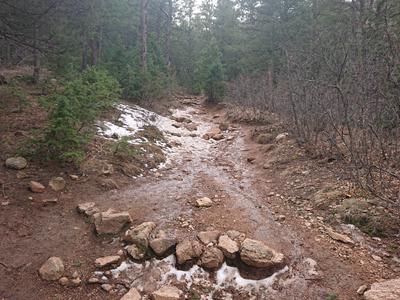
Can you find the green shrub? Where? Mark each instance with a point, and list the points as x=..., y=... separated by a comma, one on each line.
x=73, y=110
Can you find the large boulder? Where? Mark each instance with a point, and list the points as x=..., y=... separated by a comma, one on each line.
x=187, y=250
x=385, y=290
x=167, y=293
x=162, y=243
x=140, y=234
x=256, y=254
x=111, y=222
x=52, y=269
x=133, y=294
x=211, y=259
x=228, y=246
x=16, y=163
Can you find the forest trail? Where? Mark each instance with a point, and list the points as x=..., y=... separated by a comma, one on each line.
x=247, y=196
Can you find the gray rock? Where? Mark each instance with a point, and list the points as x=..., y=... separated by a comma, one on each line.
x=204, y=202
x=256, y=254
x=385, y=290
x=16, y=163
x=52, y=269
x=111, y=222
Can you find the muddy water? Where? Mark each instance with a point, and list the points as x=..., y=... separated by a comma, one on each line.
x=199, y=168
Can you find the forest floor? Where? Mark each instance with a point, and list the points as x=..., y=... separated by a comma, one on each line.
x=272, y=192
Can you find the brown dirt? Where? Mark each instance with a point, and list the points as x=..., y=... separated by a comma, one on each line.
x=249, y=197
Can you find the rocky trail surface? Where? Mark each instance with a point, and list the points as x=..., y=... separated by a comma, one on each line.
x=245, y=205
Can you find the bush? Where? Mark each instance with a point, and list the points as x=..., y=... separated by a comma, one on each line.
x=73, y=110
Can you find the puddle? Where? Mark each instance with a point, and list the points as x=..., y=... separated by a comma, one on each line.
x=156, y=273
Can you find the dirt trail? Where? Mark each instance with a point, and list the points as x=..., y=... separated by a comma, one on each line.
x=246, y=198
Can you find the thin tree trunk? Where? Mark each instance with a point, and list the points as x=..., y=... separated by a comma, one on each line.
x=143, y=28
x=36, y=59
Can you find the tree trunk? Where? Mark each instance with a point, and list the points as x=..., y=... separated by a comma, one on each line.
x=36, y=58
x=143, y=29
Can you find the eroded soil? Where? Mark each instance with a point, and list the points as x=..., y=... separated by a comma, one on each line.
x=271, y=203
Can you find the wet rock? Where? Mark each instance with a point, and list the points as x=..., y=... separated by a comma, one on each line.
x=256, y=254
x=228, y=246
x=265, y=138
x=188, y=250
x=106, y=261
x=107, y=287
x=362, y=289
x=16, y=163
x=211, y=259
x=214, y=131
x=167, y=293
x=36, y=187
x=140, y=234
x=207, y=237
x=133, y=294
x=339, y=237
x=204, y=202
x=136, y=252
x=52, y=269
x=206, y=137
x=57, y=184
x=88, y=208
x=63, y=281
x=385, y=290
x=191, y=127
x=161, y=244
x=111, y=222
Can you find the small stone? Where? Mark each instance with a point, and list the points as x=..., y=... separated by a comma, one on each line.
x=281, y=218
x=63, y=281
x=281, y=136
x=16, y=163
x=88, y=208
x=140, y=234
x=120, y=252
x=52, y=269
x=340, y=237
x=218, y=137
x=362, y=289
x=93, y=280
x=228, y=246
x=49, y=201
x=376, y=257
x=76, y=281
x=106, y=261
x=256, y=254
x=188, y=250
x=167, y=293
x=74, y=177
x=211, y=259
x=111, y=222
x=136, y=252
x=57, y=184
x=107, y=287
x=75, y=274
x=36, y=187
x=133, y=294
x=204, y=202
x=207, y=237
x=251, y=159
